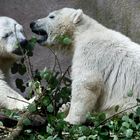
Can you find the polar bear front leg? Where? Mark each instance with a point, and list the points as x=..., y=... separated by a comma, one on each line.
x=84, y=97
x=10, y=99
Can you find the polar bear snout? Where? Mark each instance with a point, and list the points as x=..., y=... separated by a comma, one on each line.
x=22, y=45
x=32, y=24
x=39, y=31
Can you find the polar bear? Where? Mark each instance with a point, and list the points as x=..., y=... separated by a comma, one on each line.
x=105, y=65
x=10, y=33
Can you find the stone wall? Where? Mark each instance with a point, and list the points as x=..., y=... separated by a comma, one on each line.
x=121, y=15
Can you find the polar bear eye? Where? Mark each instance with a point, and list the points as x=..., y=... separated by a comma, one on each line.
x=52, y=16
x=7, y=35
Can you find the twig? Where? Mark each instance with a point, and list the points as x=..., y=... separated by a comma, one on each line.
x=29, y=68
x=6, y=128
x=104, y=121
x=55, y=91
x=16, y=132
x=56, y=59
x=18, y=99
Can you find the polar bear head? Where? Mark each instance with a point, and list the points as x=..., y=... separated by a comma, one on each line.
x=57, y=23
x=11, y=38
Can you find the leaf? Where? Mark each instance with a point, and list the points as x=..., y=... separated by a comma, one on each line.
x=14, y=68
x=84, y=130
x=92, y=137
x=102, y=116
x=125, y=124
x=50, y=108
x=50, y=130
x=32, y=107
x=67, y=41
x=117, y=108
x=138, y=100
x=26, y=122
x=21, y=69
x=37, y=84
x=130, y=93
x=32, y=42
x=138, y=111
x=115, y=137
x=46, y=101
x=50, y=138
x=28, y=131
x=129, y=133
x=1, y=123
x=132, y=122
x=19, y=84
x=82, y=138
x=125, y=118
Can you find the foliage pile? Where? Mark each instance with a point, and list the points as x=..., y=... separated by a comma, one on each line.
x=53, y=89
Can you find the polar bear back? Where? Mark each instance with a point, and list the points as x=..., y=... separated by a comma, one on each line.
x=113, y=57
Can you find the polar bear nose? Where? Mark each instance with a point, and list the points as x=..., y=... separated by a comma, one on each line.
x=23, y=43
x=32, y=24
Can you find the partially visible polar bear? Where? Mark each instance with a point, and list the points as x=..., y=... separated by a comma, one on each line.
x=105, y=65
x=10, y=33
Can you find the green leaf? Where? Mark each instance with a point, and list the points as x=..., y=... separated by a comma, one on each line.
x=84, y=130
x=67, y=41
x=126, y=124
x=125, y=118
x=138, y=100
x=20, y=85
x=130, y=93
x=50, y=130
x=32, y=42
x=14, y=68
x=82, y=138
x=50, y=108
x=32, y=107
x=46, y=101
x=129, y=133
x=21, y=69
x=132, y=122
x=116, y=108
x=1, y=123
x=37, y=84
x=115, y=137
x=138, y=111
x=102, y=116
x=50, y=138
x=26, y=122
x=92, y=137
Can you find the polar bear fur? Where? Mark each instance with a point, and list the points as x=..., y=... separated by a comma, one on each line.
x=105, y=65
x=10, y=32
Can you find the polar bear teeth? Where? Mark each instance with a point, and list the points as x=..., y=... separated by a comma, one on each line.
x=42, y=39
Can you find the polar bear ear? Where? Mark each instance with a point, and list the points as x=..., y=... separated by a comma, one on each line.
x=77, y=16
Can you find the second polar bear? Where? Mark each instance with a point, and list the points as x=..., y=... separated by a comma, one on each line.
x=105, y=65
x=10, y=33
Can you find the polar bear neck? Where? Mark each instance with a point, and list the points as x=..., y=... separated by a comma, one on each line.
x=88, y=27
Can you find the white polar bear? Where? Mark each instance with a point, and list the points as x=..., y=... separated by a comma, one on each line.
x=10, y=33
x=105, y=65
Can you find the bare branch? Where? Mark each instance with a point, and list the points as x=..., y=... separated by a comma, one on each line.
x=104, y=121
x=56, y=59
x=18, y=99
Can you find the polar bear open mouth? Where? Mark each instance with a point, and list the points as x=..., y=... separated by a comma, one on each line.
x=43, y=36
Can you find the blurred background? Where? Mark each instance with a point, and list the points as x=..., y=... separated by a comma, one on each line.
x=121, y=15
